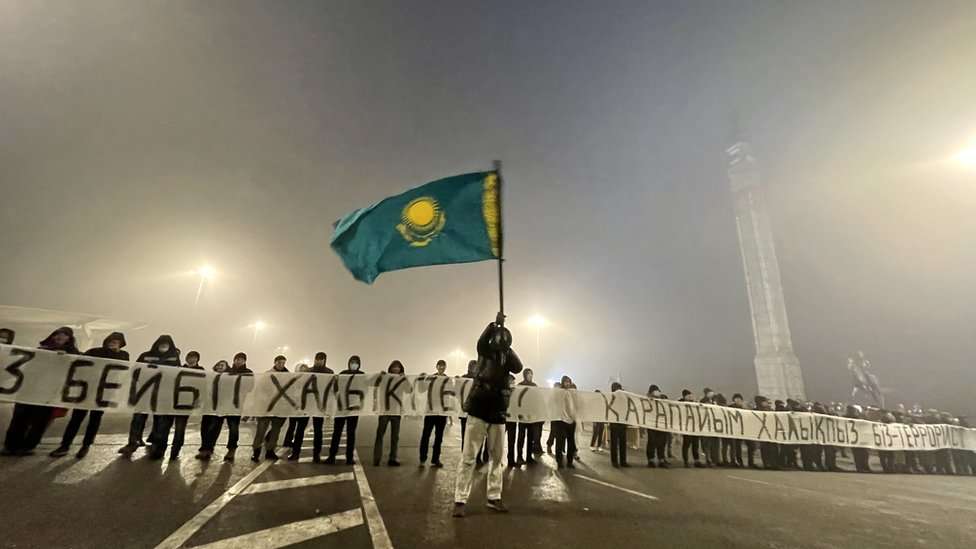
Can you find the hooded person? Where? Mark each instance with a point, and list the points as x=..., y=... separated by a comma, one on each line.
x=163, y=352
x=353, y=367
x=111, y=349
x=486, y=406
x=163, y=424
x=318, y=422
x=30, y=421
x=211, y=425
x=391, y=420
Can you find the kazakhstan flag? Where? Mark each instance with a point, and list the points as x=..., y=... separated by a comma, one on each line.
x=451, y=220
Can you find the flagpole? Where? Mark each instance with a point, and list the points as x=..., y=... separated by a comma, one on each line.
x=497, y=164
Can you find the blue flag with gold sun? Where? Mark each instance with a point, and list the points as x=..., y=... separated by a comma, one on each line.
x=451, y=220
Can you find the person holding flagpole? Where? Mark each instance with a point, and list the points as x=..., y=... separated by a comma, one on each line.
x=486, y=406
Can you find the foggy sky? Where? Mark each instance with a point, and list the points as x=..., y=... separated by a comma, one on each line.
x=139, y=140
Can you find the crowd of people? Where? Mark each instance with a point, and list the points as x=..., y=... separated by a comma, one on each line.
x=524, y=439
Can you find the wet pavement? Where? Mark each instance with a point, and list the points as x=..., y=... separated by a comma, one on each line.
x=106, y=501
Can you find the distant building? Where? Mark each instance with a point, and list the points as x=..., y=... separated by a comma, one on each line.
x=777, y=367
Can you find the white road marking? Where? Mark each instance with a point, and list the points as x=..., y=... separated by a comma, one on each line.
x=262, y=487
x=377, y=529
x=290, y=534
x=774, y=484
x=180, y=536
x=615, y=487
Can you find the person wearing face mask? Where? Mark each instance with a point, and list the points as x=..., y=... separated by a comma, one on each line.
x=6, y=336
x=657, y=441
x=350, y=423
x=269, y=427
x=393, y=421
x=163, y=424
x=30, y=421
x=528, y=437
x=211, y=425
x=434, y=423
x=111, y=349
x=162, y=353
x=486, y=406
x=318, y=422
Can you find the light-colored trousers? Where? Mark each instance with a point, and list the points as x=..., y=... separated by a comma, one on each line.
x=476, y=433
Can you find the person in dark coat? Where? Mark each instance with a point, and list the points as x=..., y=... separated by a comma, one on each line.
x=349, y=423
x=435, y=423
x=657, y=441
x=293, y=421
x=528, y=438
x=769, y=451
x=710, y=446
x=6, y=336
x=111, y=349
x=552, y=426
x=162, y=353
x=238, y=368
x=163, y=423
x=30, y=421
x=318, y=422
x=735, y=457
x=486, y=406
x=211, y=425
x=268, y=429
x=689, y=442
x=391, y=420
x=618, y=437
x=860, y=454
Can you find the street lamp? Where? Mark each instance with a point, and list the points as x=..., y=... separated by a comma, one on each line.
x=538, y=322
x=257, y=326
x=966, y=157
x=205, y=272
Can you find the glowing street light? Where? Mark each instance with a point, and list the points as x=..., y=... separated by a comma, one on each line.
x=257, y=326
x=538, y=322
x=966, y=157
x=205, y=272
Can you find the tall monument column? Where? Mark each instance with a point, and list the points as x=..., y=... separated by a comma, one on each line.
x=777, y=368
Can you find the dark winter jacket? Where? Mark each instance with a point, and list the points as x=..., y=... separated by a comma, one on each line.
x=490, y=392
x=70, y=347
x=155, y=356
x=320, y=370
x=105, y=352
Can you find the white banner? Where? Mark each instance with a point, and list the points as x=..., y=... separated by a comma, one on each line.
x=47, y=378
